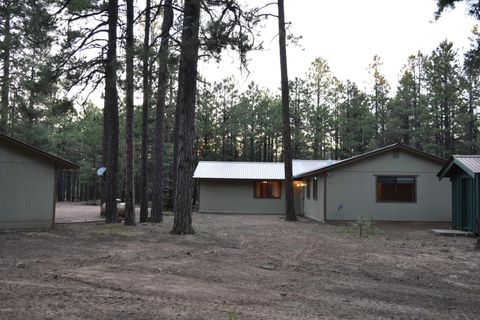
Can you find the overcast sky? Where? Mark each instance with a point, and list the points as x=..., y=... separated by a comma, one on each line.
x=348, y=33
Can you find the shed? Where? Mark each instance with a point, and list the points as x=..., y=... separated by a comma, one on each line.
x=464, y=174
x=27, y=185
x=393, y=183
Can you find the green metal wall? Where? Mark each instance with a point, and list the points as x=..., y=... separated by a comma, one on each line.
x=465, y=202
x=26, y=190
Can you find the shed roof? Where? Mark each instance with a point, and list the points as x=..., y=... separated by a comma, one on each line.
x=59, y=162
x=254, y=170
x=396, y=146
x=470, y=164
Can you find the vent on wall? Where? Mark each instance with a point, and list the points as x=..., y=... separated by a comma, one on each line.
x=396, y=154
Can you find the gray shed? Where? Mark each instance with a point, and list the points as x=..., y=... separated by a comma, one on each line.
x=27, y=185
x=394, y=183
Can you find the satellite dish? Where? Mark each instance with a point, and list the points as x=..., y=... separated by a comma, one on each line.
x=101, y=171
x=329, y=162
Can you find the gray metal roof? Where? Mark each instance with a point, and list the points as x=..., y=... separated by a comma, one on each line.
x=470, y=164
x=254, y=170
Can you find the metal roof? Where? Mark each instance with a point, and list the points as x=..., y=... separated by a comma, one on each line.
x=254, y=170
x=59, y=162
x=468, y=163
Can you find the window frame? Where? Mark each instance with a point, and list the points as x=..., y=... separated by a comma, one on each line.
x=315, y=188
x=308, y=188
x=415, y=194
x=268, y=181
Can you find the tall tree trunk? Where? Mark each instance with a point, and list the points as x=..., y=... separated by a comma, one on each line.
x=157, y=204
x=146, y=103
x=6, y=70
x=110, y=141
x=129, y=183
x=187, y=89
x=287, y=147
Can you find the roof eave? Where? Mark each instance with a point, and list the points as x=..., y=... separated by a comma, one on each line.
x=59, y=162
x=444, y=172
x=372, y=154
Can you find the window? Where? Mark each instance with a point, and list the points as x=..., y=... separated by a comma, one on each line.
x=267, y=189
x=308, y=188
x=315, y=188
x=396, y=189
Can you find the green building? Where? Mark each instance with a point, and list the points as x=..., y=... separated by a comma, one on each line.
x=464, y=173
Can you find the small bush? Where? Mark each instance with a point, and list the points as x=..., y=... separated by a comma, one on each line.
x=364, y=225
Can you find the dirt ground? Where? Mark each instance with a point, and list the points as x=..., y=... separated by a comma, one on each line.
x=238, y=267
x=73, y=212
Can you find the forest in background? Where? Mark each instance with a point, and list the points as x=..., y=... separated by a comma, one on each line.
x=52, y=57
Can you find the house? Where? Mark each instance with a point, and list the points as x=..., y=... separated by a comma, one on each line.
x=27, y=185
x=464, y=174
x=248, y=187
x=394, y=183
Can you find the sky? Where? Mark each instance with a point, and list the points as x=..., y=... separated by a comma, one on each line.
x=347, y=34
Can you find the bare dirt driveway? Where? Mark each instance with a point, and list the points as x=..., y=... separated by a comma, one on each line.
x=237, y=267
x=74, y=212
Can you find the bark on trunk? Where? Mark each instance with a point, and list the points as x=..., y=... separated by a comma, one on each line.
x=187, y=88
x=157, y=204
x=110, y=141
x=146, y=104
x=287, y=148
x=129, y=183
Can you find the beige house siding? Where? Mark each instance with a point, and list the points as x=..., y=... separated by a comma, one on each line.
x=314, y=209
x=351, y=190
x=26, y=190
x=236, y=196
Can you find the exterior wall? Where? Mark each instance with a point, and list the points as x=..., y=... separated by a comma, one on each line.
x=26, y=190
x=314, y=209
x=351, y=190
x=465, y=203
x=236, y=196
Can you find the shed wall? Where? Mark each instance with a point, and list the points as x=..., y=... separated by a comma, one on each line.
x=351, y=190
x=236, y=196
x=26, y=190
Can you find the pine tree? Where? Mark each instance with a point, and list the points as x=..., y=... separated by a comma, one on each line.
x=157, y=204
x=146, y=87
x=184, y=118
x=286, y=132
x=378, y=100
x=129, y=183
x=443, y=84
x=111, y=118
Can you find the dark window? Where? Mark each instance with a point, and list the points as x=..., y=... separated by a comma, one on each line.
x=308, y=188
x=396, y=189
x=315, y=188
x=267, y=189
